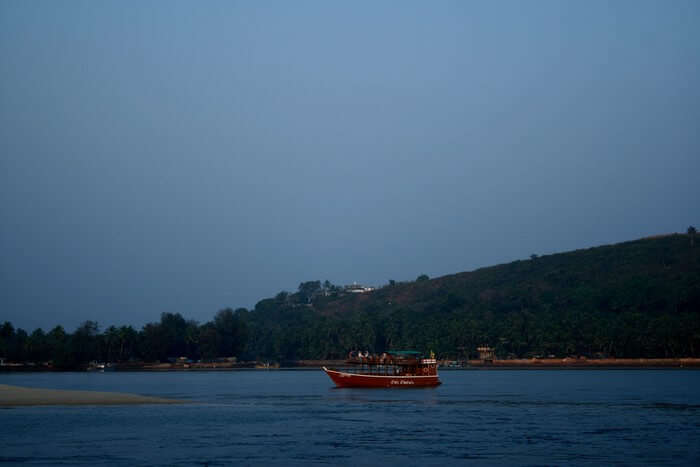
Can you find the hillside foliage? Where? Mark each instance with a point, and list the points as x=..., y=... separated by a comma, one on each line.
x=629, y=300
x=633, y=299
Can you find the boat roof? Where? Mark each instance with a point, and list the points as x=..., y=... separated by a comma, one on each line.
x=404, y=352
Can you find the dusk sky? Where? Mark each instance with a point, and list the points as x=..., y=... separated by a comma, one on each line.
x=191, y=156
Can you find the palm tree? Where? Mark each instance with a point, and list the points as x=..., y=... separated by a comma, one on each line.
x=127, y=339
x=691, y=234
x=112, y=338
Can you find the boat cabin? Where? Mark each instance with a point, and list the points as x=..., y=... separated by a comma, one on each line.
x=392, y=363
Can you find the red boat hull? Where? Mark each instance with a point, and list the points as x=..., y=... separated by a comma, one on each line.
x=352, y=380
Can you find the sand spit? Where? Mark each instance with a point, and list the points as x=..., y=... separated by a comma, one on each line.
x=13, y=396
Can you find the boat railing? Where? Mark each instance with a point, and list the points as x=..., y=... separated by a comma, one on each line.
x=384, y=360
x=380, y=370
x=390, y=370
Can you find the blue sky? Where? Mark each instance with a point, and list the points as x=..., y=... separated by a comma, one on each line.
x=185, y=156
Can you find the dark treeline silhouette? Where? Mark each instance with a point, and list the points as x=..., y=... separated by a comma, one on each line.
x=630, y=300
x=172, y=337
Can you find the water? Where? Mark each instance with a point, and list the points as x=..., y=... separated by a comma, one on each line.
x=496, y=417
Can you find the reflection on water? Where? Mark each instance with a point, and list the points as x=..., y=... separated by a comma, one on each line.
x=284, y=417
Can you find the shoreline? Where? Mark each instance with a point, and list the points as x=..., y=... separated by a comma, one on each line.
x=527, y=364
x=19, y=396
x=584, y=363
x=544, y=363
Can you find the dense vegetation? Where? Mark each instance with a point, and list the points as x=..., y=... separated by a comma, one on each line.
x=172, y=337
x=634, y=299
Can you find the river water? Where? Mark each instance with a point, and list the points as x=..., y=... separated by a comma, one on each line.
x=485, y=417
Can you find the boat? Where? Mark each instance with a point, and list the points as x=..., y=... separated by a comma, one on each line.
x=394, y=369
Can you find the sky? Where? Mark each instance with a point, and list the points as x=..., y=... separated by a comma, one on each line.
x=184, y=157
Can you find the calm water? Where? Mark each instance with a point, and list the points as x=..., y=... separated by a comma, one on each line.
x=296, y=417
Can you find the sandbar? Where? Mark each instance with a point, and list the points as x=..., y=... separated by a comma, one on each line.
x=14, y=396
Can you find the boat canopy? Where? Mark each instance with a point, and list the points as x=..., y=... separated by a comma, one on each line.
x=412, y=353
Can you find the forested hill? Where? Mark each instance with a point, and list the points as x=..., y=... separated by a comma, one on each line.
x=633, y=299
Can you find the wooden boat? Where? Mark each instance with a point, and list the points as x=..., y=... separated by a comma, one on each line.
x=397, y=369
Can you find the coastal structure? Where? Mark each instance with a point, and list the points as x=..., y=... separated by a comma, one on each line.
x=486, y=353
x=357, y=288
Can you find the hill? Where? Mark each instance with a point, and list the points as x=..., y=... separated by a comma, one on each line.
x=630, y=300
x=633, y=299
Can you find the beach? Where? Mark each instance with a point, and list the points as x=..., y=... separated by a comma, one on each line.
x=14, y=396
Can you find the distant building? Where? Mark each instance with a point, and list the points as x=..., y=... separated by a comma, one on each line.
x=486, y=353
x=357, y=288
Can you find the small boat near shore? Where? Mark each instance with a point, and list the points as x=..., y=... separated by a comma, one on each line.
x=396, y=369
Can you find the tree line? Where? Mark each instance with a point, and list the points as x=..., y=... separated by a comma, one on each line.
x=629, y=300
x=172, y=337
